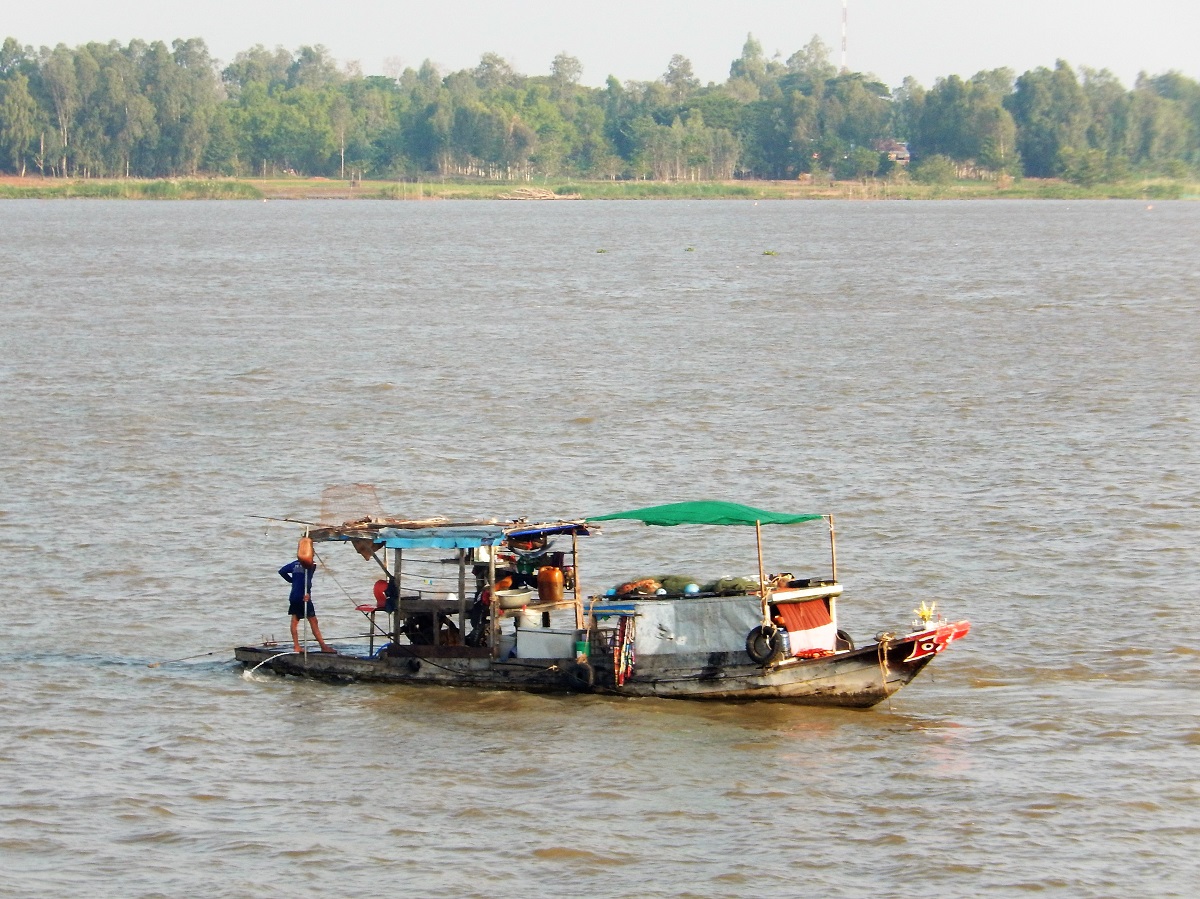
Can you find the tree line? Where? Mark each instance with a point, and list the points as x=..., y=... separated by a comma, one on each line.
x=151, y=111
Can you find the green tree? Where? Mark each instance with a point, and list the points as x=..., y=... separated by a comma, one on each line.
x=221, y=151
x=1185, y=93
x=15, y=58
x=907, y=108
x=1108, y=102
x=1051, y=113
x=812, y=62
x=997, y=135
x=752, y=64
x=680, y=79
x=304, y=140
x=57, y=69
x=258, y=66
x=255, y=120
x=858, y=164
x=313, y=68
x=201, y=91
x=766, y=137
x=856, y=110
x=565, y=71
x=18, y=120
x=935, y=169
x=341, y=121
x=87, y=131
x=1085, y=167
x=127, y=115
x=1158, y=131
x=940, y=127
x=493, y=72
x=967, y=122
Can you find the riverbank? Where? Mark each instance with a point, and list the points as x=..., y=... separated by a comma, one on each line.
x=561, y=189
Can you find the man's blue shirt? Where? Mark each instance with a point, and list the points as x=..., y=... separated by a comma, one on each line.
x=299, y=577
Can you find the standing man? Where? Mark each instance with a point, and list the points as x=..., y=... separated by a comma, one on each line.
x=300, y=605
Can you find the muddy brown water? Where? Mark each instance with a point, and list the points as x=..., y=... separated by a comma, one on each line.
x=998, y=400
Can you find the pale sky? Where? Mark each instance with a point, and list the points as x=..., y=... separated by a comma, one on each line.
x=636, y=40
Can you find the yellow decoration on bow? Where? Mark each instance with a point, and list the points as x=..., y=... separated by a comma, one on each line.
x=926, y=612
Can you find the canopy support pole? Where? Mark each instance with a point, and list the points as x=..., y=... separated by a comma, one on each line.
x=493, y=606
x=762, y=573
x=575, y=580
x=399, y=598
x=832, y=548
x=462, y=593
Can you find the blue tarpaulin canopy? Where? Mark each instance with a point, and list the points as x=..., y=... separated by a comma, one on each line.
x=402, y=535
x=440, y=538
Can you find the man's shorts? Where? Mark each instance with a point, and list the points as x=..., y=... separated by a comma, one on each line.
x=297, y=610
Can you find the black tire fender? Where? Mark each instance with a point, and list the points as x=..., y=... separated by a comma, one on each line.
x=764, y=643
x=581, y=674
x=844, y=641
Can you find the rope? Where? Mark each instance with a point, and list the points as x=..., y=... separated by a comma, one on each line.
x=885, y=640
x=186, y=658
x=426, y=578
x=403, y=577
x=333, y=577
x=349, y=598
x=375, y=626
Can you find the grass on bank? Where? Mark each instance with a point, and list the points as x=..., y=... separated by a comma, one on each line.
x=449, y=189
x=164, y=189
x=788, y=190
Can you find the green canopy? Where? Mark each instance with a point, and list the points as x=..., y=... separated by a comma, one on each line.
x=705, y=512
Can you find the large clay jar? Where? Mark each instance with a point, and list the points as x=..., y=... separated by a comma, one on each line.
x=550, y=584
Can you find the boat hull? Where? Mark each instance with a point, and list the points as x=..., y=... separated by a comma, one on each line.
x=859, y=678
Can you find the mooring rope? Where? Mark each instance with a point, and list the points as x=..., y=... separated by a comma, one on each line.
x=885, y=640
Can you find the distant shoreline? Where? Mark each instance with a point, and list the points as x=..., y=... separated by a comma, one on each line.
x=554, y=190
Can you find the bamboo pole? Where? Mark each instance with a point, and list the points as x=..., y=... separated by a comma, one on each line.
x=399, y=597
x=575, y=580
x=493, y=606
x=307, y=574
x=462, y=593
x=832, y=548
x=762, y=573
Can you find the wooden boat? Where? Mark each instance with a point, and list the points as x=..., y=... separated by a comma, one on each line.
x=776, y=638
x=769, y=638
x=423, y=629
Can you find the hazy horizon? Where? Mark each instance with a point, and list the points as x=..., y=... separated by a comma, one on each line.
x=922, y=38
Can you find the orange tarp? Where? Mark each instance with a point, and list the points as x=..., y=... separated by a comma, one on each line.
x=804, y=616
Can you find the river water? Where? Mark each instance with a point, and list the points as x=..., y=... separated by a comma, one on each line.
x=999, y=402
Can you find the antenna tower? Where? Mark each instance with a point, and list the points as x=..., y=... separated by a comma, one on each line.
x=844, y=35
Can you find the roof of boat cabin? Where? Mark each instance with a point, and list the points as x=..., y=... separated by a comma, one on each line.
x=706, y=512
x=398, y=533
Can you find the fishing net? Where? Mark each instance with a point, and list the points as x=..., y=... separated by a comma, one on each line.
x=349, y=502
